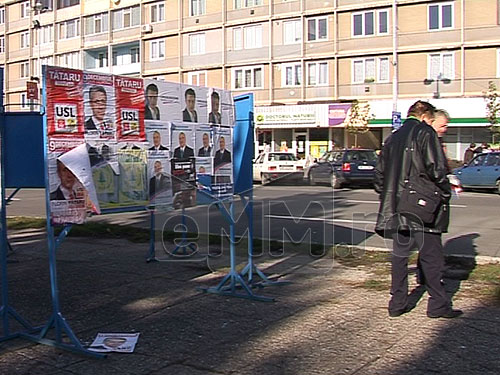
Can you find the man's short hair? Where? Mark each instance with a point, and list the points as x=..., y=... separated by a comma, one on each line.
x=94, y=89
x=189, y=92
x=182, y=133
x=152, y=87
x=442, y=113
x=420, y=108
x=215, y=95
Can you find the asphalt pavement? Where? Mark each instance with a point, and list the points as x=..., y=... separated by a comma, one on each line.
x=331, y=319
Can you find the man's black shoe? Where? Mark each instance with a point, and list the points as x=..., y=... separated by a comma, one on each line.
x=396, y=313
x=450, y=314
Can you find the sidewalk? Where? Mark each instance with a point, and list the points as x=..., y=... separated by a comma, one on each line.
x=331, y=320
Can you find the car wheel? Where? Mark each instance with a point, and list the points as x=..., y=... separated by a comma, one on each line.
x=264, y=180
x=498, y=187
x=334, y=181
x=312, y=181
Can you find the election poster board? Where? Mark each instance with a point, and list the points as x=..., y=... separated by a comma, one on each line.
x=117, y=142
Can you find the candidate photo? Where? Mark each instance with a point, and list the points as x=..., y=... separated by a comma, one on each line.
x=222, y=156
x=215, y=117
x=189, y=113
x=69, y=187
x=183, y=151
x=151, y=111
x=206, y=149
x=98, y=102
x=159, y=182
x=157, y=146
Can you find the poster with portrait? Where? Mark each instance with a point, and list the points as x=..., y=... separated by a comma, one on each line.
x=222, y=184
x=227, y=108
x=129, y=93
x=204, y=178
x=158, y=138
x=214, y=106
x=183, y=141
x=204, y=145
x=162, y=101
x=99, y=106
x=194, y=104
x=64, y=105
x=183, y=173
x=159, y=180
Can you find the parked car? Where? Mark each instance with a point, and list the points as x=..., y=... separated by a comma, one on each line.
x=273, y=166
x=343, y=167
x=483, y=172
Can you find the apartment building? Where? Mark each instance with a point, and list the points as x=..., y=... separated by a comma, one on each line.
x=298, y=57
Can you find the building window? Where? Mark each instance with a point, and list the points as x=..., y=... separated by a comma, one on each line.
x=124, y=56
x=239, y=4
x=247, y=37
x=66, y=3
x=128, y=17
x=157, y=12
x=25, y=39
x=317, y=73
x=24, y=101
x=292, y=32
x=96, y=24
x=157, y=50
x=370, y=23
x=197, y=7
x=102, y=59
x=69, y=60
x=24, y=70
x=317, y=28
x=2, y=44
x=197, y=78
x=46, y=34
x=2, y=16
x=441, y=16
x=247, y=78
x=134, y=55
x=291, y=74
x=69, y=29
x=197, y=44
x=370, y=70
x=441, y=64
x=47, y=5
x=25, y=9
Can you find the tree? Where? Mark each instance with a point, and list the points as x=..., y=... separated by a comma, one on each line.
x=357, y=119
x=492, y=109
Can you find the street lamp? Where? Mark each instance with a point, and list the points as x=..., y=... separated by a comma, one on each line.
x=440, y=77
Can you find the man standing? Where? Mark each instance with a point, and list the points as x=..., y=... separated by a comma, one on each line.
x=222, y=156
x=206, y=150
x=189, y=113
x=157, y=146
x=97, y=98
x=152, y=112
x=414, y=152
x=183, y=151
x=469, y=153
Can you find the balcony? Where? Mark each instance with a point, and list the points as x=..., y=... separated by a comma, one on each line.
x=126, y=59
x=97, y=60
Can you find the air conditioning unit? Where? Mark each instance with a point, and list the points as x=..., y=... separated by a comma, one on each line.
x=147, y=29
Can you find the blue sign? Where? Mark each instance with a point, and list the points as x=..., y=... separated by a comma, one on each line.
x=396, y=120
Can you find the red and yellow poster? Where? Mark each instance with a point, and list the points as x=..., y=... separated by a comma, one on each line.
x=64, y=102
x=129, y=93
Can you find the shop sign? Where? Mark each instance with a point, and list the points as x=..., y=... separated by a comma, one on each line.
x=337, y=113
x=285, y=118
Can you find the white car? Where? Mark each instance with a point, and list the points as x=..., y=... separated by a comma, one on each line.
x=274, y=166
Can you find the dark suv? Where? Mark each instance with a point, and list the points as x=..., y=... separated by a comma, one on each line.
x=344, y=167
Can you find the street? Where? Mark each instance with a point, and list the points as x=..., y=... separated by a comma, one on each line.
x=317, y=214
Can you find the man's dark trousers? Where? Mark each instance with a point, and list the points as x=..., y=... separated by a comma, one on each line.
x=432, y=261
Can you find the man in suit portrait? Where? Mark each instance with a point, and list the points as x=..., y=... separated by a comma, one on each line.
x=159, y=182
x=152, y=112
x=214, y=117
x=206, y=150
x=69, y=188
x=222, y=156
x=189, y=113
x=98, y=100
x=157, y=146
x=183, y=151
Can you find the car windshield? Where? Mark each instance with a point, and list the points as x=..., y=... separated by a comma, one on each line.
x=331, y=157
x=281, y=157
x=361, y=155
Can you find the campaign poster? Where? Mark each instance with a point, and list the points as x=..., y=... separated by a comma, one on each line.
x=64, y=105
x=162, y=101
x=183, y=182
x=105, y=171
x=159, y=180
x=183, y=139
x=99, y=106
x=158, y=138
x=222, y=185
x=132, y=160
x=129, y=93
x=194, y=103
x=204, y=178
x=227, y=108
x=204, y=144
x=214, y=106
